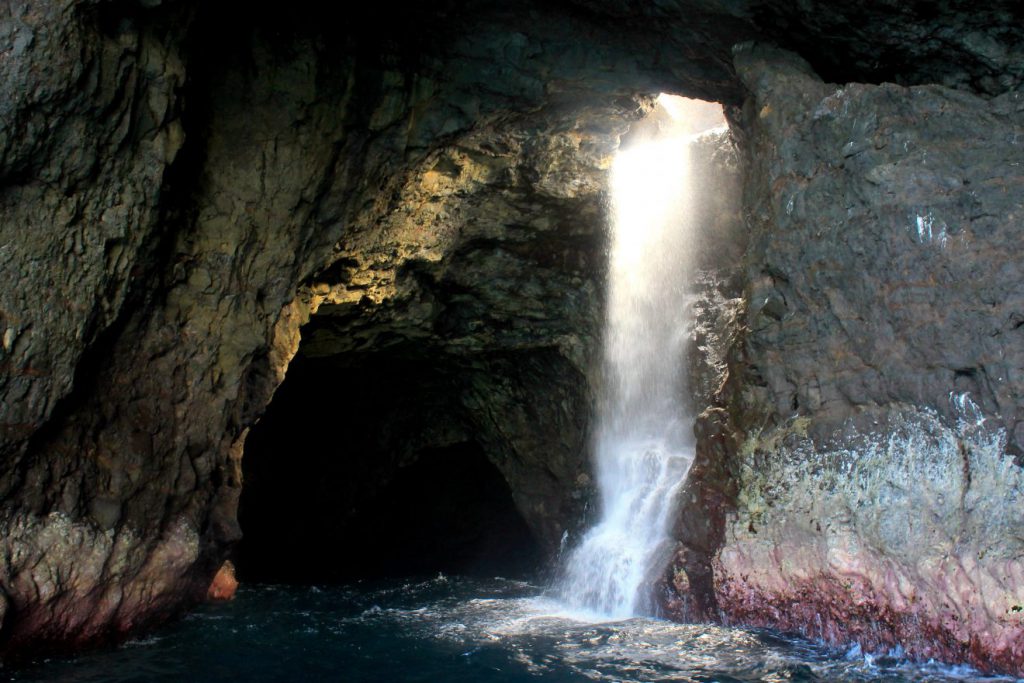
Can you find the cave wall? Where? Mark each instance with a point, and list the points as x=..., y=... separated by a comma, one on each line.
x=91, y=126
x=865, y=458
x=136, y=361
x=182, y=187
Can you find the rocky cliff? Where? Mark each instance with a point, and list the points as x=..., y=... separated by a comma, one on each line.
x=183, y=186
x=871, y=424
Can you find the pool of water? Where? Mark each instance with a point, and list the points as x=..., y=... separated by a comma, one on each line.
x=454, y=629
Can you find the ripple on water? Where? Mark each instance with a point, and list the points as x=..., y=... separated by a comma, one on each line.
x=452, y=629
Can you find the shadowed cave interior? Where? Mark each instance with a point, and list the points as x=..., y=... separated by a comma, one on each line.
x=358, y=470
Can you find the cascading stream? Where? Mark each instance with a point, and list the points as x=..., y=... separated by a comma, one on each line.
x=644, y=442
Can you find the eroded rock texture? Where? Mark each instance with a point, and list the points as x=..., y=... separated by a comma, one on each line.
x=316, y=175
x=90, y=128
x=870, y=425
x=184, y=185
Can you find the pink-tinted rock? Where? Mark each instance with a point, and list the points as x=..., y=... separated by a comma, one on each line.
x=224, y=584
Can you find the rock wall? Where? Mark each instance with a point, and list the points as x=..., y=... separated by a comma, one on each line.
x=865, y=455
x=180, y=230
x=89, y=133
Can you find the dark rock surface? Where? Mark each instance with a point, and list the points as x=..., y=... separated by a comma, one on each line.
x=863, y=465
x=184, y=185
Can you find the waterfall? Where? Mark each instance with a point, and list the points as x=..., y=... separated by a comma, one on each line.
x=644, y=441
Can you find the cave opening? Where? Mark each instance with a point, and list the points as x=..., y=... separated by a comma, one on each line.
x=445, y=424
x=362, y=469
x=450, y=512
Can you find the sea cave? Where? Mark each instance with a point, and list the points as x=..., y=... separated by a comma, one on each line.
x=568, y=340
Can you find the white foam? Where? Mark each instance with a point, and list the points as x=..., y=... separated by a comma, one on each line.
x=644, y=437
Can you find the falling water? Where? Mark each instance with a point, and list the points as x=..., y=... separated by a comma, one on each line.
x=644, y=443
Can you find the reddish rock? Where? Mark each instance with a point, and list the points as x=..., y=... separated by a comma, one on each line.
x=224, y=584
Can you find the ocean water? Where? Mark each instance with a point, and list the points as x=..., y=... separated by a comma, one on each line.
x=450, y=629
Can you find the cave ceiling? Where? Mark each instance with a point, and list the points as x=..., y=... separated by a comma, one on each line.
x=685, y=46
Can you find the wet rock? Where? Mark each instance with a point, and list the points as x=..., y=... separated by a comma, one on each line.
x=224, y=584
x=866, y=419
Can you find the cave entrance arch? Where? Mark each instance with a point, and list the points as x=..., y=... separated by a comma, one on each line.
x=476, y=342
x=363, y=467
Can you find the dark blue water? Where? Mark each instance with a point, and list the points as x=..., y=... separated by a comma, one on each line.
x=452, y=630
